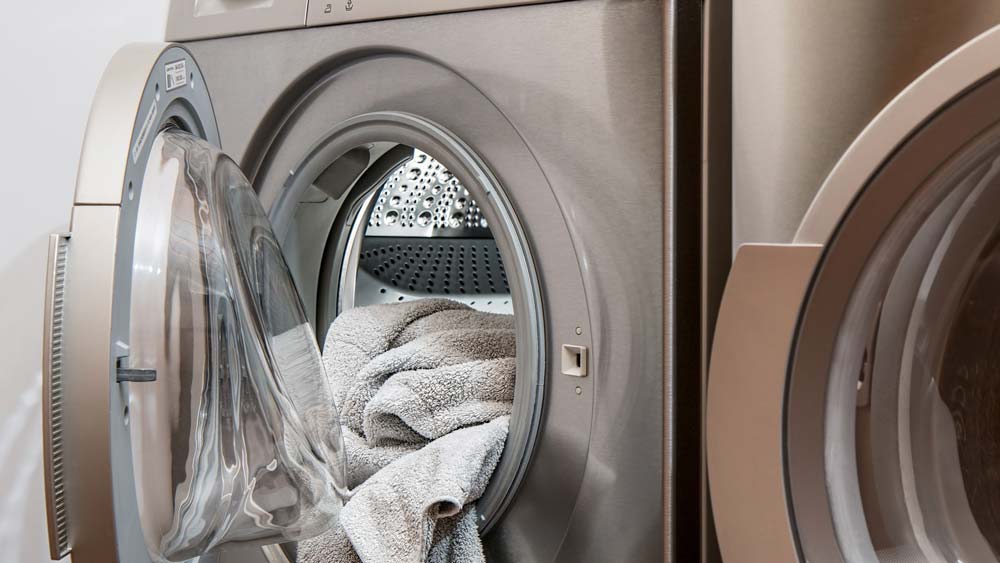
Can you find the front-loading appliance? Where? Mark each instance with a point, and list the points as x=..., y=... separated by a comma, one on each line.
x=286, y=162
x=853, y=385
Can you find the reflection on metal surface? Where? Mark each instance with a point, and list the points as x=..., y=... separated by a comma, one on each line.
x=237, y=439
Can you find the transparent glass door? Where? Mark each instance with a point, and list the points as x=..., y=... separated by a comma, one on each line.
x=234, y=433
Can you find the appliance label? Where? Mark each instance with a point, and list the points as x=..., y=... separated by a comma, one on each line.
x=176, y=74
x=147, y=126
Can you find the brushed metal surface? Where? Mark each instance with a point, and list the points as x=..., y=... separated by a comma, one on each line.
x=584, y=168
x=754, y=339
x=322, y=12
x=956, y=73
x=195, y=19
x=869, y=191
x=809, y=76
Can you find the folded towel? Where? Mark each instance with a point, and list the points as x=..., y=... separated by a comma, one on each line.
x=359, y=335
x=364, y=460
x=425, y=389
x=456, y=539
x=414, y=509
x=463, y=318
x=331, y=547
x=434, y=384
x=367, y=346
x=419, y=405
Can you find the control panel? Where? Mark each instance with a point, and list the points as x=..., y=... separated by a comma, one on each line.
x=201, y=19
x=326, y=12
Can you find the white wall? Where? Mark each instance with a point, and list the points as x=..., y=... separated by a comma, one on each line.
x=54, y=53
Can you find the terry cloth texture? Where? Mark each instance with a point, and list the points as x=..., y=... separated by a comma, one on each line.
x=425, y=389
x=418, y=508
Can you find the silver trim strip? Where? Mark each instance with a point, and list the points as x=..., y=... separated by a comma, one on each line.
x=322, y=12
x=52, y=396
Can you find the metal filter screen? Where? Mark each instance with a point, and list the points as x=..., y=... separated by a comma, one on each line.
x=426, y=237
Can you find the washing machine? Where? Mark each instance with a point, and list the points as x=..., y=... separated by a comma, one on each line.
x=278, y=162
x=853, y=386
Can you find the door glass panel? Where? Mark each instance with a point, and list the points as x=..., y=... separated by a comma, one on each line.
x=237, y=439
x=922, y=342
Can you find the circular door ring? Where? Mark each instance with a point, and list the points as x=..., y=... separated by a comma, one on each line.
x=939, y=114
x=92, y=502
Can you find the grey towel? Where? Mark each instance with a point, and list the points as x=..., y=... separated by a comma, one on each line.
x=434, y=384
x=418, y=508
x=359, y=335
x=424, y=389
x=364, y=460
x=367, y=346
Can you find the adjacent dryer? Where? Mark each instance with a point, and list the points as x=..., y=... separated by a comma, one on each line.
x=854, y=379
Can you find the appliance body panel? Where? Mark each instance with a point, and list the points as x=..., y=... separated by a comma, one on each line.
x=597, y=160
x=874, y=449
x=199, y=19
x=571, y=120
x=808, y=77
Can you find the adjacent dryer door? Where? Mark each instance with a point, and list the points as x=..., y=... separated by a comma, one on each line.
x=854, y=392
x=186, y=403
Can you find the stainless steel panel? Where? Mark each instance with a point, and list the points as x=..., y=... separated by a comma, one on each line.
x=716, y=227
x=322, y=12
x=569, y=117
x=196, y=19
x=961, y=70
x=808, y=77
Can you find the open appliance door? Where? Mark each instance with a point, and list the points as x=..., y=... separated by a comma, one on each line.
x=186, y=404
